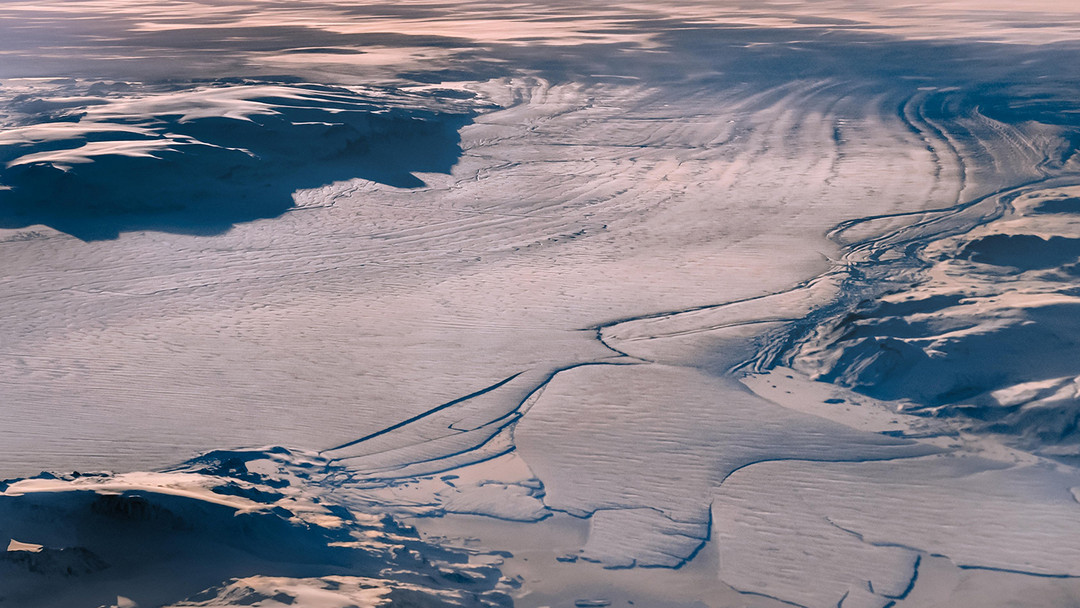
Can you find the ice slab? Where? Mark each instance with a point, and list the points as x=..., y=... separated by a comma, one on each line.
x=622, y=538
x=811, y=533
x=606, y=437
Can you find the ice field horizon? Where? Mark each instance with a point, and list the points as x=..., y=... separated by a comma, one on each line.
x=687, y=304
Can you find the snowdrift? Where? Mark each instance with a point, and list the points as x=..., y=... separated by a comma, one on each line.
x=102, y=158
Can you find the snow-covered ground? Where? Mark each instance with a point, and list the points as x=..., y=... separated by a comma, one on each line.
x=675, y=304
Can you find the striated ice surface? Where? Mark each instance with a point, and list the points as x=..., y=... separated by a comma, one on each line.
x=673, y=305
x=688, y=432
x=811, y=533
x=625, y=537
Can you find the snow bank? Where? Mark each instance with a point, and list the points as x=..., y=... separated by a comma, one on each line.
x=988, y=334
x=202, y=157
x=227, y=529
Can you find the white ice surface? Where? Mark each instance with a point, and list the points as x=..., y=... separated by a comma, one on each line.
x=380, y=304
x=665, y=208
x=641, y=437
x=810, y=532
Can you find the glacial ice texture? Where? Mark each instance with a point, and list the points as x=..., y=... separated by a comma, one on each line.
x=682, y=303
